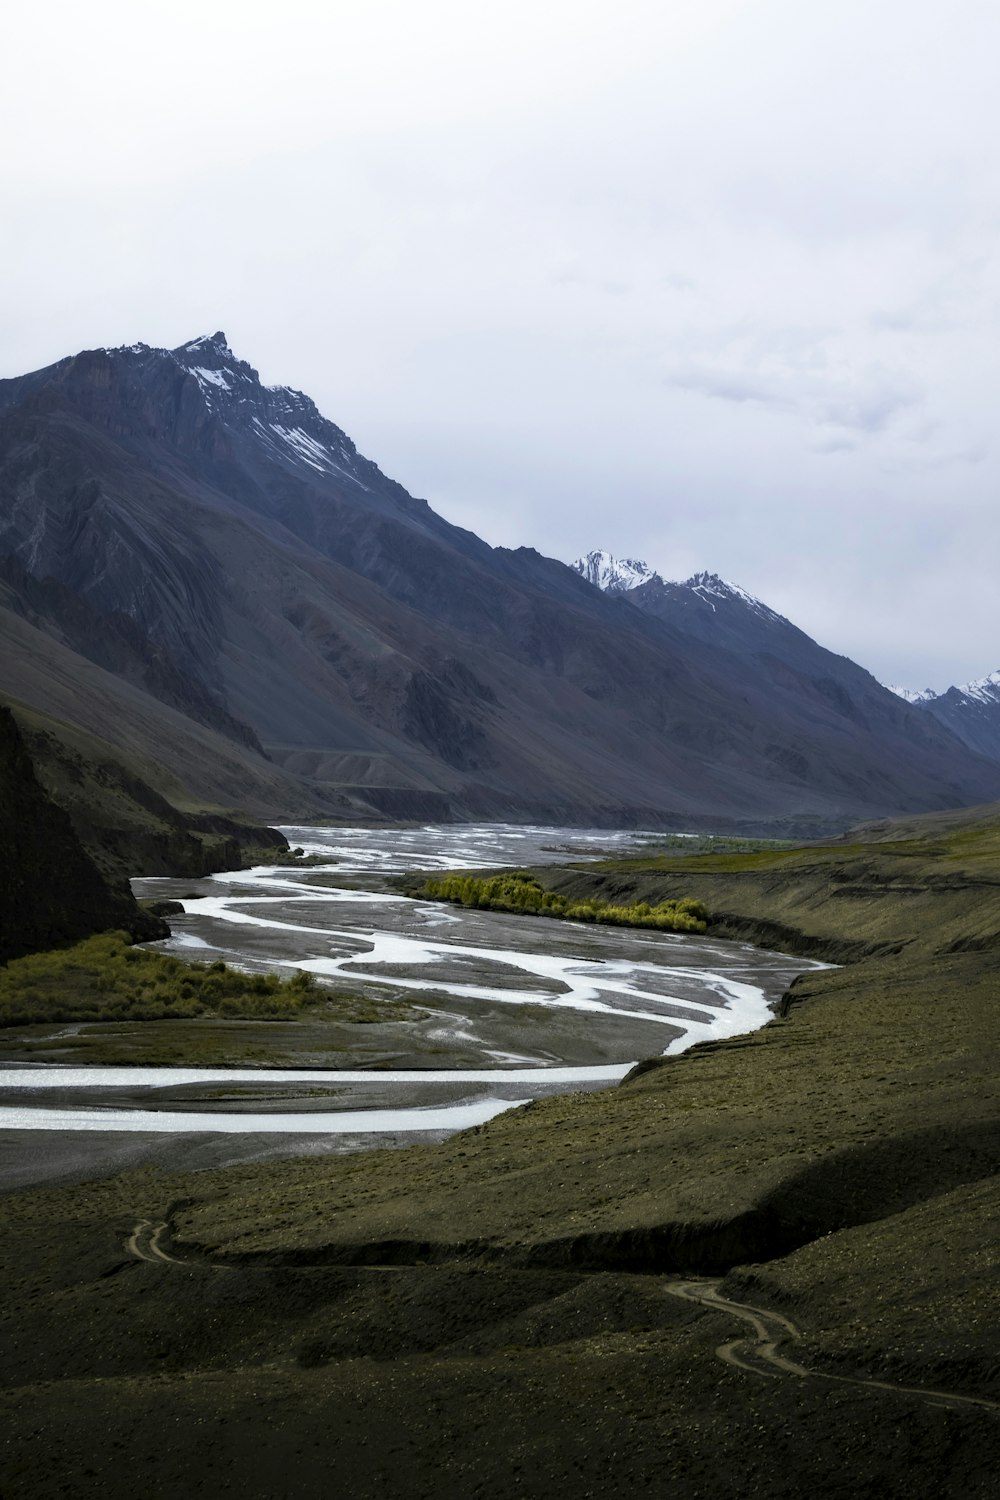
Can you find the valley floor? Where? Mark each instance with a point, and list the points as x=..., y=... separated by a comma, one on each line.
x=767, y=1267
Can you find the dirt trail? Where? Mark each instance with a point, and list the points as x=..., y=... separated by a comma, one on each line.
x=760, y=1355
x=144, y=1244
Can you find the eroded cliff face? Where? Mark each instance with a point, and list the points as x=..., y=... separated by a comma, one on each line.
x=51, y=891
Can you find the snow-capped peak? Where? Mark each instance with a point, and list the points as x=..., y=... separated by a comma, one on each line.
x=613, y=575
x=214, y=343
x=912, y=695
x=985, y=690
x=284, y=421
x=215, y=367
x=618, y=575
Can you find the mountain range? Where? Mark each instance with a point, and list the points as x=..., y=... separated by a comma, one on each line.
x=972, y=711
x=208, y=592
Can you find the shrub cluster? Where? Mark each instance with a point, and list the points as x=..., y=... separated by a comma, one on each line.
x=520, y=892
x=107, y=979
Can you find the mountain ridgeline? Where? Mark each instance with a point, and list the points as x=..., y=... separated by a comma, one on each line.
x=971, y=711
x=202, y=574
x=782, y=660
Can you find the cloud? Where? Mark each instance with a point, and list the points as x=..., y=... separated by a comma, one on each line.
x=866, y=401
x=679, y=281
x=944, y=303
x=428, y=218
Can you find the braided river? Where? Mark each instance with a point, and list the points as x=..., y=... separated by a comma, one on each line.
x=478, y=1012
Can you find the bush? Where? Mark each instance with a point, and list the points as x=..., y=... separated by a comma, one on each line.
x=106, y=978
x=517, y=891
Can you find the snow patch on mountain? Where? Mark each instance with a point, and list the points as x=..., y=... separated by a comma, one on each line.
x=709, y=587
x=286, y=421
x=209, y=377
x=310, y=451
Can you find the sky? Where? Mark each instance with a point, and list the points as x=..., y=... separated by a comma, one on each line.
x=711, y=283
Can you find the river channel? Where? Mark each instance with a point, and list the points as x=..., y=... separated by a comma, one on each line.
x=477, y=1012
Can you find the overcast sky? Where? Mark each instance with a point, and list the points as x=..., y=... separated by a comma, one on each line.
x=713, y=283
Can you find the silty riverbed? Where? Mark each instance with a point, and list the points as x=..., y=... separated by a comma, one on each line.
x=491, y=1009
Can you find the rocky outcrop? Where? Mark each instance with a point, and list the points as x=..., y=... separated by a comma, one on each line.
x=51, y=891
x=127, y=826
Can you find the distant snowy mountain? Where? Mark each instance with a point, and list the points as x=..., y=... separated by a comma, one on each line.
x=620, y=575
x=912, y=695
x=717, y=593
x=723, y=614
x=613, y=575
x=985, y=690
x=971, y=711
x=773, y=663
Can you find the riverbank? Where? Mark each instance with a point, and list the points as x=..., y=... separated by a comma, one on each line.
x=490, y=1316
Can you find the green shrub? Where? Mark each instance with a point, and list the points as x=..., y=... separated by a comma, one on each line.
x=106, y=978
x=517, y=891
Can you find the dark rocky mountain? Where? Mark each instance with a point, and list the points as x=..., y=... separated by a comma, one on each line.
x=971, y=712
x=204, y=573
x=779, y=664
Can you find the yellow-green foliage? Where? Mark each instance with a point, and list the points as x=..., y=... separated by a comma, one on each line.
x=519, y=892
x=107, y=979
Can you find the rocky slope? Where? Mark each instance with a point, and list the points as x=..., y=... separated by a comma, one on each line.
x=776, y=663
x=121, y=810
x=51, y=891
x=259, y=610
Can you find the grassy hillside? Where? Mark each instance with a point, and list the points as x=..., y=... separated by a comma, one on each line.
x=919, y=887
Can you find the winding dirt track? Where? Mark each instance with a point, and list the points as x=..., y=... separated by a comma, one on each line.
x=760, y=1356
x=144, y=1243
x=757, y=1354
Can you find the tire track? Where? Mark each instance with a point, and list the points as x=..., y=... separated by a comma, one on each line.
x=146, y=1243
x=759, y=1355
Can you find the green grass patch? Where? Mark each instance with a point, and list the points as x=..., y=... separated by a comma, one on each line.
x=106, y=978
x=520, y=892
x=760, y=859
x=713, y=843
